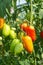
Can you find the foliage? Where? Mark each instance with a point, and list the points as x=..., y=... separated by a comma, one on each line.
x=24, y=58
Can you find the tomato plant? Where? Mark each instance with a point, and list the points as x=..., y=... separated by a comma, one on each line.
x=21, y=32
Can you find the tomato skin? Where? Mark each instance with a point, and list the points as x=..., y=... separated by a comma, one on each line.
x=41, y=34
x=6, y=30
x=1, y=22
x=23, y=25
x=13, y=44
x=18, y=48
x=30, y=32
x=12, y=34
x=27, y=43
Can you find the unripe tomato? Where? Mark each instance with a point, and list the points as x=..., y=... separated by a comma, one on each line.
x=18, y=48
x=41, y=34
x=6, y=30
x=20, y=34
x=1, y=23
x=12, y=34
x=28, y=44
x=13, y=44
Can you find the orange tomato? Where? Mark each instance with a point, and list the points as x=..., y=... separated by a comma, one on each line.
x=23, y=25
x=1, y=22
x=27, y=43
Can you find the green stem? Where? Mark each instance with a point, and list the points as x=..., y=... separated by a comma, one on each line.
x=31, y=12
x=15, y=7
x=35, y=58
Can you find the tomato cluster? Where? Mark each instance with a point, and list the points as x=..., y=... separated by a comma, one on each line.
x=30, y=36
x=16, y=45
x=29, y=30
x=19, y=40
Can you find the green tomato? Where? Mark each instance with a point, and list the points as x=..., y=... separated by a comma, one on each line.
x=13, y=44
x=6, y=30
x=12, y=34
x=18, y=48
x=20, y=34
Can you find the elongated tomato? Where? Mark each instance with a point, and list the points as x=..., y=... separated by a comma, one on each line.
x=27, y=43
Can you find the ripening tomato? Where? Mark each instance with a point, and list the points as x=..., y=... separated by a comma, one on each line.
x=41, y=34
x=30, y=30
x=1, y=22
x=18, y=48
x=12, y=34
x=13, y=44
x=27, y=43
x=6, y=30
x=23, y=25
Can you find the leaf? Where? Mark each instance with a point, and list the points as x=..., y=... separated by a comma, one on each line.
x=41, y=13
x=3, y=5
x=24, y=62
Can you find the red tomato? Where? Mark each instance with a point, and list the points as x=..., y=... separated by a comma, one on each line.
x=41, y=34
x=30, y=32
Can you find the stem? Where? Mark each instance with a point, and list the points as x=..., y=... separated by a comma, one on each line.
x=15, y=7
x=31, y=12
x=34, y=58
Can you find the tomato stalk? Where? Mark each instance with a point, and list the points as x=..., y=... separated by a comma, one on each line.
x=34, y=58
x=31, y=12
x=14, y=5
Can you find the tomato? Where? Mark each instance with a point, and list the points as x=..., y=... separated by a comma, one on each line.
x=20, y=34
x=41, y=34
x=1, y=23
x=13, y=44
x=23, y=25
x=12, y=34
x=6, y=30
x=27, y=43
x=18, y=48
x=30, y=30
